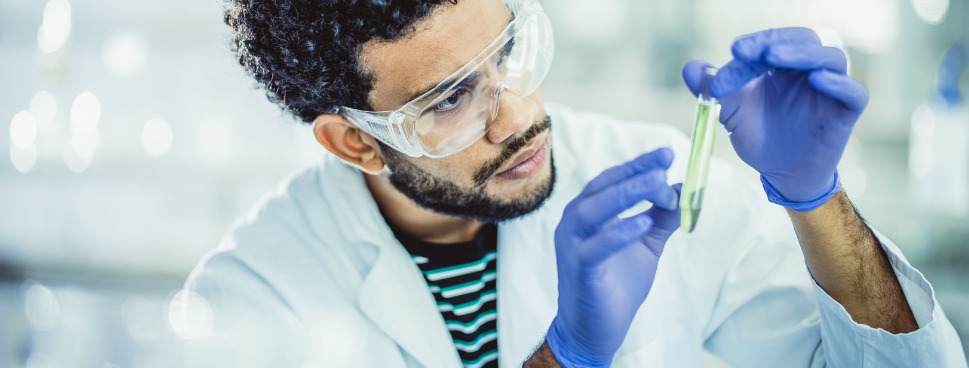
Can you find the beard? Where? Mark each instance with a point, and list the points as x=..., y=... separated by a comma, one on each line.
x=447, y=197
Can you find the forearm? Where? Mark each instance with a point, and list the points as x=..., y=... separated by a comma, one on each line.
x=848, y=262
x=542, y=358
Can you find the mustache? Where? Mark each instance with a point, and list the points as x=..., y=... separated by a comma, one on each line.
x=511, y=147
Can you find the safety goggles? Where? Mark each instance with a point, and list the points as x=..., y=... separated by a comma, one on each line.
x=462, y=108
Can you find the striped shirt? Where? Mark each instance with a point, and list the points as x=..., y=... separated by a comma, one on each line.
x=462, y=278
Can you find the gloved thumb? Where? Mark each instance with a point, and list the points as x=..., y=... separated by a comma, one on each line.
x=693, y=73
x=665, y=222
x=666, y=219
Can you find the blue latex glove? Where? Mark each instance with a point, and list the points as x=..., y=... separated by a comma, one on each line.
x=954, y=61
x=789, y=106
x=606, y=265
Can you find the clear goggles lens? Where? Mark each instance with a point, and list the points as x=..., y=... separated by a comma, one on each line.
x=461, y=110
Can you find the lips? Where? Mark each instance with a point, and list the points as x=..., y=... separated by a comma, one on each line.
x=527, y=163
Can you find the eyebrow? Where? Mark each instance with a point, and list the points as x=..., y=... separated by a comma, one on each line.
x=467, y=79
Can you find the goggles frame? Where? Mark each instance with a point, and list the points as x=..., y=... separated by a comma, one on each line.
x=391, y=128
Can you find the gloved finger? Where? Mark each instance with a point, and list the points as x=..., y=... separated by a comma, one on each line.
x=734, y=75
x=748, y=52
x=841, y=87
x=605, y=205
x=660, y=158
x=665, y=222
x=751, y=47
x=693, y=73
x=807, y=56
x=614, y=238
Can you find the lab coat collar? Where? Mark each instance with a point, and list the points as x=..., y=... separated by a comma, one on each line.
x=394, y=294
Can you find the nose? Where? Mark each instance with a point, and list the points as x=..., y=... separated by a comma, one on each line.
x=512, y=114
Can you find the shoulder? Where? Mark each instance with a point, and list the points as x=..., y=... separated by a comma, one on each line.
x=295, y=232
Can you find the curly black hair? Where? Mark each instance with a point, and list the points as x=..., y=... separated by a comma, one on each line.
x=304, y=53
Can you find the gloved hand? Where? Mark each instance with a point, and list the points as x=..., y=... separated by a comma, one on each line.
x=789, y=106
x=606, y=265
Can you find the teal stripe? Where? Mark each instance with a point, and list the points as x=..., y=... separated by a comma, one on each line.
x=459, y=270
x=477, y=343
x=468, y=287
x=472, y=326
x=487, y=357
x=469, y=307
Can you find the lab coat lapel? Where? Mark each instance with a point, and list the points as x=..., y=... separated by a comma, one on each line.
x=393, y=293
x=395, y=296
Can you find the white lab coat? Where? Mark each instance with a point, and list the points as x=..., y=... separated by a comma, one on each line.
x=313, y=277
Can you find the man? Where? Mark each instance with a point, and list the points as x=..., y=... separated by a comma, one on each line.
x=471, y=221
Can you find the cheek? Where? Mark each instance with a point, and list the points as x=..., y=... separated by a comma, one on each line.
x=459, y=167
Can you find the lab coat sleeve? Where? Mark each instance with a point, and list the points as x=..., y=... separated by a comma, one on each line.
x=772, y=314
x=849, y=344
x=252, y=325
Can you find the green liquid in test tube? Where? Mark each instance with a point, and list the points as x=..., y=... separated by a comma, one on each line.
x=704, y=132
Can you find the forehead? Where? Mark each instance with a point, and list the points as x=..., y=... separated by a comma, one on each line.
x=439, y=46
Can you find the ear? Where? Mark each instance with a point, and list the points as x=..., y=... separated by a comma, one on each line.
x=347, y=142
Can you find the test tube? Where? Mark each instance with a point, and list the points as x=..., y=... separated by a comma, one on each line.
x=704, y=131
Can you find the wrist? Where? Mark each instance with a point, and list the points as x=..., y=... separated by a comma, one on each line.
x=567, y=353
x=542, y=358
x=775, y=196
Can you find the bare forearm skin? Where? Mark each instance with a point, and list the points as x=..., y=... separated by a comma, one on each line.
x=542, y=358
x=848, y=262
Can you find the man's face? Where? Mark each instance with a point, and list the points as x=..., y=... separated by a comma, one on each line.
x=505, y=174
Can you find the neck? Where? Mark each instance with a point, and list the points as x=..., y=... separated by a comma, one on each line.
x=417, y=221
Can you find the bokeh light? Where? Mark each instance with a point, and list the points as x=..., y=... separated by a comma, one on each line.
x=923, y=121
x=56, y=27
x=920, y=161
x=190, y=315
x=85, y=113
x=77, y=154
x=93, y=140
x=44, y=108
x=41, y=307
x=125, y=52
x=852, y=152
x=931, y=11
x=920, y=158
x=156, y=137
x=143, y=319
x=23, y=129
x=872, y=26
x=23, y=159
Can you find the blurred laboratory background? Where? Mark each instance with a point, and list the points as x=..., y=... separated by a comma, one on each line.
x=132, y=139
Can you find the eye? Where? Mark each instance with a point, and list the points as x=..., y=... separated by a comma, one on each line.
x=451, y=101
x=506, y=51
